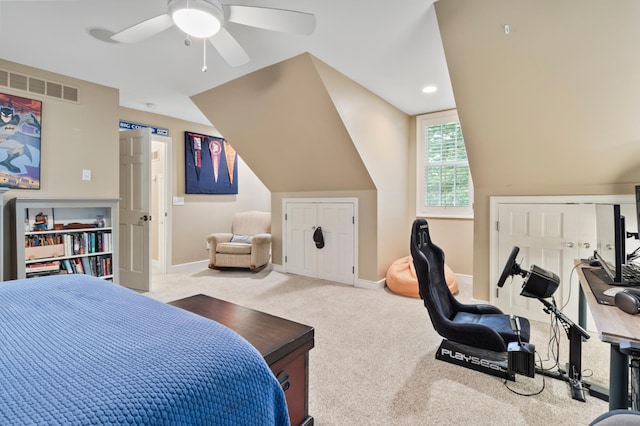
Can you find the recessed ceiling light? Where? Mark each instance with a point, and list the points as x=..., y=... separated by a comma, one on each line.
x=429, y=89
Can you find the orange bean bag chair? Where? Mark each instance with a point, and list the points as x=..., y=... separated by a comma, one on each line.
x=401, y=278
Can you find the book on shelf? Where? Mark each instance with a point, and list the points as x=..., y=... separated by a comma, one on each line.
x=69, y=267
x=79, y=266
x=86, y=266
x=43, y=267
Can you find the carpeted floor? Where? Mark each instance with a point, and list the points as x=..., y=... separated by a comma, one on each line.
x=374, y=357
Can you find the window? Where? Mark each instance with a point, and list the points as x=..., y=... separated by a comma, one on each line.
x=444, y=185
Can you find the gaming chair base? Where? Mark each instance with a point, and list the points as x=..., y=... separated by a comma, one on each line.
x=482, y=360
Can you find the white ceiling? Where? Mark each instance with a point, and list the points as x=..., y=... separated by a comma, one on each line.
x=391, y=48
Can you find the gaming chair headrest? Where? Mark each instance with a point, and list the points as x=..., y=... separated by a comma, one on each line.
x=420, y=233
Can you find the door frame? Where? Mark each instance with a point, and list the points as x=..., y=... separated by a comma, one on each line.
x=164, y=251
x=356, y=239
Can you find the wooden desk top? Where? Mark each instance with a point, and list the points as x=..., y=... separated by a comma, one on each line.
x=613, y=324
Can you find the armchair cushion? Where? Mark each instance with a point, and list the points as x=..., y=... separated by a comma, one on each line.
x=234, y=248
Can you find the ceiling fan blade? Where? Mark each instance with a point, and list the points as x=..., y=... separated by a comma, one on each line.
x=289, y=21
x=229, y=48
x=144, y=29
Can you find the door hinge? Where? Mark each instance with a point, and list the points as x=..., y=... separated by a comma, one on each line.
x=497, y=292
x=353, y=220
x=285, y=259
x=285, y=216
x=497, y=226
x=353, y=269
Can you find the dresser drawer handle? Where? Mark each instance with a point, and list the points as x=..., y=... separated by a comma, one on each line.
x=283, y=379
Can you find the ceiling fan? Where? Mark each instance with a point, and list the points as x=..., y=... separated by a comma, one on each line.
x=205, y=19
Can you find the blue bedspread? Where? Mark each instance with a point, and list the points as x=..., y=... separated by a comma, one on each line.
x=75, y=349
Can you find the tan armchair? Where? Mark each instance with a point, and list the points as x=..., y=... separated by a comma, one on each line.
x=248, y=245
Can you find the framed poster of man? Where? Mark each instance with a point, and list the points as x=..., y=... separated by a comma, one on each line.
x=211, y=165
x=20, y=127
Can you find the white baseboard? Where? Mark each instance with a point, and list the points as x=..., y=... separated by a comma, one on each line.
x=188, y=267
x=370, y=285
x=358, y=282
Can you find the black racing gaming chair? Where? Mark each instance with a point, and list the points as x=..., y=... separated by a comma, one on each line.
x=478, y=326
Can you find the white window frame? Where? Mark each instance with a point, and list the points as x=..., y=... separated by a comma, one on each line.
x=421, y=209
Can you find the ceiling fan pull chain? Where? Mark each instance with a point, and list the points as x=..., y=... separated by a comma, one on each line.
x=204, y=55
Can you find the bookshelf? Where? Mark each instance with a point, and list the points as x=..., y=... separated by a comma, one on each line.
x=64, y=235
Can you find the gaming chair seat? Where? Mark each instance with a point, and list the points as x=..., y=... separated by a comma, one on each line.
x=480, y=326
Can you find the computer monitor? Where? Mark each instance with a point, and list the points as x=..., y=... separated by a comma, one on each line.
x=611, y=242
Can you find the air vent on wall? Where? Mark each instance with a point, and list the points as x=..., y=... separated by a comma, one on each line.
x=39, y=86
x=4, y=78
x=18, y=81
x=54, y=90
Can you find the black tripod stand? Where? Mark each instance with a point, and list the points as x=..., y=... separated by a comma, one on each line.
x=541, y=284
x=575, y=333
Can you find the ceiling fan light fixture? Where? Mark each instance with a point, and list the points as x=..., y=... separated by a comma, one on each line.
x=198, y=18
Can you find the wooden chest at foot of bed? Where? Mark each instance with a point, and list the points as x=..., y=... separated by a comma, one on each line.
x=284, y=345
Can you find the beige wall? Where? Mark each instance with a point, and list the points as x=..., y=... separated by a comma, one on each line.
x=378, y=163
x=549, y=109
x=380, y=132
x=201, y=214
x=307, y=129
x=85, y=136
x=74, y=137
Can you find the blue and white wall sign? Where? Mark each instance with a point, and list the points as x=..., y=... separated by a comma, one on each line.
x=129, y=125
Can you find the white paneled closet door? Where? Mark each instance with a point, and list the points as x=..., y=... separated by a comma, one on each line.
x=336, y=260
x=548, y=236
x=299, y=248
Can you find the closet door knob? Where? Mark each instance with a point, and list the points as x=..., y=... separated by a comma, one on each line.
x=586, y=245
x=570, y=244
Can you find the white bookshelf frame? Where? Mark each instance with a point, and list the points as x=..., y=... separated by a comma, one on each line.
x=71, y=210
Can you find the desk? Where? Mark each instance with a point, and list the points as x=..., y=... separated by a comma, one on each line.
x=614, y=327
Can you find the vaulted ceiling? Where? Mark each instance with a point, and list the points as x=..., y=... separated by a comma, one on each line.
x=391, y=48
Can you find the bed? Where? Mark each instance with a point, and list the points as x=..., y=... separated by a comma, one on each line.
x=75, y=349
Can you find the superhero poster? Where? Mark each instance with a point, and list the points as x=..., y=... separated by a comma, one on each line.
x=211, y=165
x=20, y=120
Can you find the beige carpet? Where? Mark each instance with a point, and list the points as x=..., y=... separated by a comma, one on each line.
x=374, y=357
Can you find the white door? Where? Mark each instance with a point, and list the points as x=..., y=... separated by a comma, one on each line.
x=135, y=181
x=300, y=250
x=548, y=236
x=336, y=260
